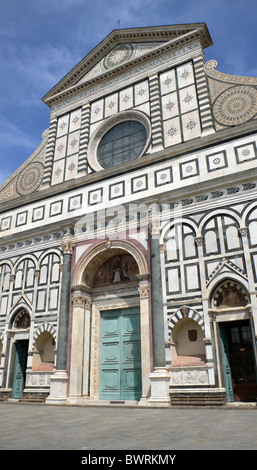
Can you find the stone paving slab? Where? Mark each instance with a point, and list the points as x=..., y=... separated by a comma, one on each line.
x=46, y=427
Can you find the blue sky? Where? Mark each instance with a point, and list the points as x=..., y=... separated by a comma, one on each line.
x=41, y=40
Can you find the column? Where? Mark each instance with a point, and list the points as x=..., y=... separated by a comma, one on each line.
x=160, y=376
x=58, y=381
x=80, y=348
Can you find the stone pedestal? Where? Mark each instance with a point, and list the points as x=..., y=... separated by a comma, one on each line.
x=159, y=387
x=58, y=388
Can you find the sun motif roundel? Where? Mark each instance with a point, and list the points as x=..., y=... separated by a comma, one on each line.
x=236, y=105
x=119, y=54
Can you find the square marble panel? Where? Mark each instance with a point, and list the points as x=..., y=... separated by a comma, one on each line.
x=141, y=92
x=63, y=125
x=216, y=161
x=163, y=176
x=71, y=170
x=172, y=131
x=38, y=213
x=75, y=202
x=75, y=120
x=111, y=105
x=97, y=110
x=58, y=171
x=56, y=208
x=188, y=99
x=191, y=125
x=245, y=153
x=95, y=196
x=189, y=169
x=6, y=223
x=185, y=75
x=21, y=218
x=60, y=147
x=117, y=190
x=126, y=99
x=170, y=105
x=168, y=82
x=73, y=143
x=139, y=183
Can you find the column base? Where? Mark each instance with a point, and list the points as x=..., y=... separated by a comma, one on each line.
x=58, y=388
x=159, y=379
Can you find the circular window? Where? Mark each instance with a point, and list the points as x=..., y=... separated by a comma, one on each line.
x=122, y=143
x=119, y=139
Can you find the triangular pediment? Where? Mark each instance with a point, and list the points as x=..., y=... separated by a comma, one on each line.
x=124, y=47
x=225, y=267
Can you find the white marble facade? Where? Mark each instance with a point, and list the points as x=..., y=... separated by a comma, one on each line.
x=198, y=167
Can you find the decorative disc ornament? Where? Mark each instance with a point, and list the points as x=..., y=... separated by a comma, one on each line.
x=236, y=105
x=118, y=55
x=30, y=179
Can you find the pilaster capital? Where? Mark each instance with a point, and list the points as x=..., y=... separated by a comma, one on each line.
x=243, y=231
x=154, y=225
x=199, y=241
x=81, y=300
x=68, y=242
x=143, y=289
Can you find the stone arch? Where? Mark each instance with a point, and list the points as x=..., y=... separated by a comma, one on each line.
x=16, y=314
x=95, y=257
x=187, y=347
x=247, y=213
x=167, y=227
x=229, y=285
x=184, y=312
x=44, y=327
x=217, y=213
x=44, y=349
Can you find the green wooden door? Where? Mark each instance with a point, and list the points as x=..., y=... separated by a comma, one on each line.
x=226, y=363
x=120, y=374
x=19, y=368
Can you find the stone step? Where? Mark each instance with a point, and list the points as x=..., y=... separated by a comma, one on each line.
x=197, y=399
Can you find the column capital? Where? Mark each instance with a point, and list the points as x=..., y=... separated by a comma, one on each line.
x=67, y=242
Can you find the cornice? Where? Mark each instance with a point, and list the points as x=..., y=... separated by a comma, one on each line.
x=175, y=151
x=173, y=38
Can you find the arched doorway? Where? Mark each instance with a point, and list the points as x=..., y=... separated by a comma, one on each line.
x=20, y=329
x=110, y=325
x=238, y=359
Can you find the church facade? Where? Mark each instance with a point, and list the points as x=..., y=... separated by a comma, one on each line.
x=128, y=239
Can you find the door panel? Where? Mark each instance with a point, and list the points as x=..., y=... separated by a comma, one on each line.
x=120, y=375
x=241, y=360
x=19, y=368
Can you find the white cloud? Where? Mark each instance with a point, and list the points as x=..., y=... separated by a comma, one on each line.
x=13, y=136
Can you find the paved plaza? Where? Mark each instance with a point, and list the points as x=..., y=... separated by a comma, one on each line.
x=46, y=427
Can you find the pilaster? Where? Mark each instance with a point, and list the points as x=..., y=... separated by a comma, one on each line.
x=160, y=376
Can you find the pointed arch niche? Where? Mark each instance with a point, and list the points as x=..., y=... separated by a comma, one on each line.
x=114, y=274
